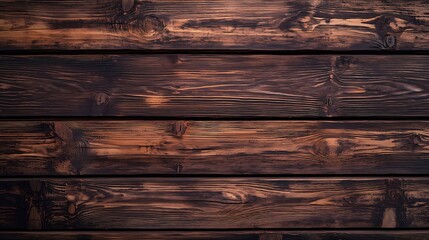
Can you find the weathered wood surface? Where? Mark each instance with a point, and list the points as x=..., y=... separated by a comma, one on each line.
x=213, y=147
x=219, y=235
x=214, y=85
x=219, y=24
x=213, y=203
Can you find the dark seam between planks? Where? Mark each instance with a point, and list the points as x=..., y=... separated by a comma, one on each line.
x=238, y=230
x=215, y=176
x=212, y=52
x=373, y=229
x=240, y=118
x=149, y=176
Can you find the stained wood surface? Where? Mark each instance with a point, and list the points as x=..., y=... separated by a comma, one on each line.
x=212, y=203
x=220, y=24
x=214, y=85
x=213, y=147
x=219, y=235
x=242, y=176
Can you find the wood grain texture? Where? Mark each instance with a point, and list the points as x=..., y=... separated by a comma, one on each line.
x=213, y=147
x=220, y=24
x=219, y=235
x=214, y=85
x=211, y=203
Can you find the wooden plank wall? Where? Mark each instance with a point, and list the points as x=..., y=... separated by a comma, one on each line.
x=226, y=120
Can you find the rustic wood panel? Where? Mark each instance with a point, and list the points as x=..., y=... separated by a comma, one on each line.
x=213, y=147
x=214, y=85
x=219, y=235
x=220, y=24
x=213, y=203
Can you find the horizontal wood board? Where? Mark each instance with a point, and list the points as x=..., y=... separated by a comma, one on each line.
x=214, y=203
x=218, y=24
x=138, y=147
x=166, y=85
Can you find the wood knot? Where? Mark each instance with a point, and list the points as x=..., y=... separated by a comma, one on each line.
x=179, y=128
x=389, y=29
x=389, y=41
x=344, y=62
x=414, y=142
x=303, y=19
x=100, y=104
x=101, y=98
x=321, y=148
x=149, y=25
x=418, y=140
x=137, y=23
x=178, y=167
x=62, y=131
x=344, y=146
x=394, y=192
x=329, y=101
x=329, y=108
x=127, y=5
x=234, y=197
x=307, y=23
x=71, y=209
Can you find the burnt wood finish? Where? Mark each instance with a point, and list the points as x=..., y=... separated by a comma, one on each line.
x=219, y=24
x=213, y=203
x=219, y=235
x=215, y=85
x=213, y=147
x=214, y=119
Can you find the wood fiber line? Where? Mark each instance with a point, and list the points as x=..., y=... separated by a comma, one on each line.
x=212, y=203
x=219, y=24
x=215, y=85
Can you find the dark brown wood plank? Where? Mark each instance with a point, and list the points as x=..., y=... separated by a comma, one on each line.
x=220, y=24
x=213, y=147
x=220, y=235
x=213, y=203
x=214, y=85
